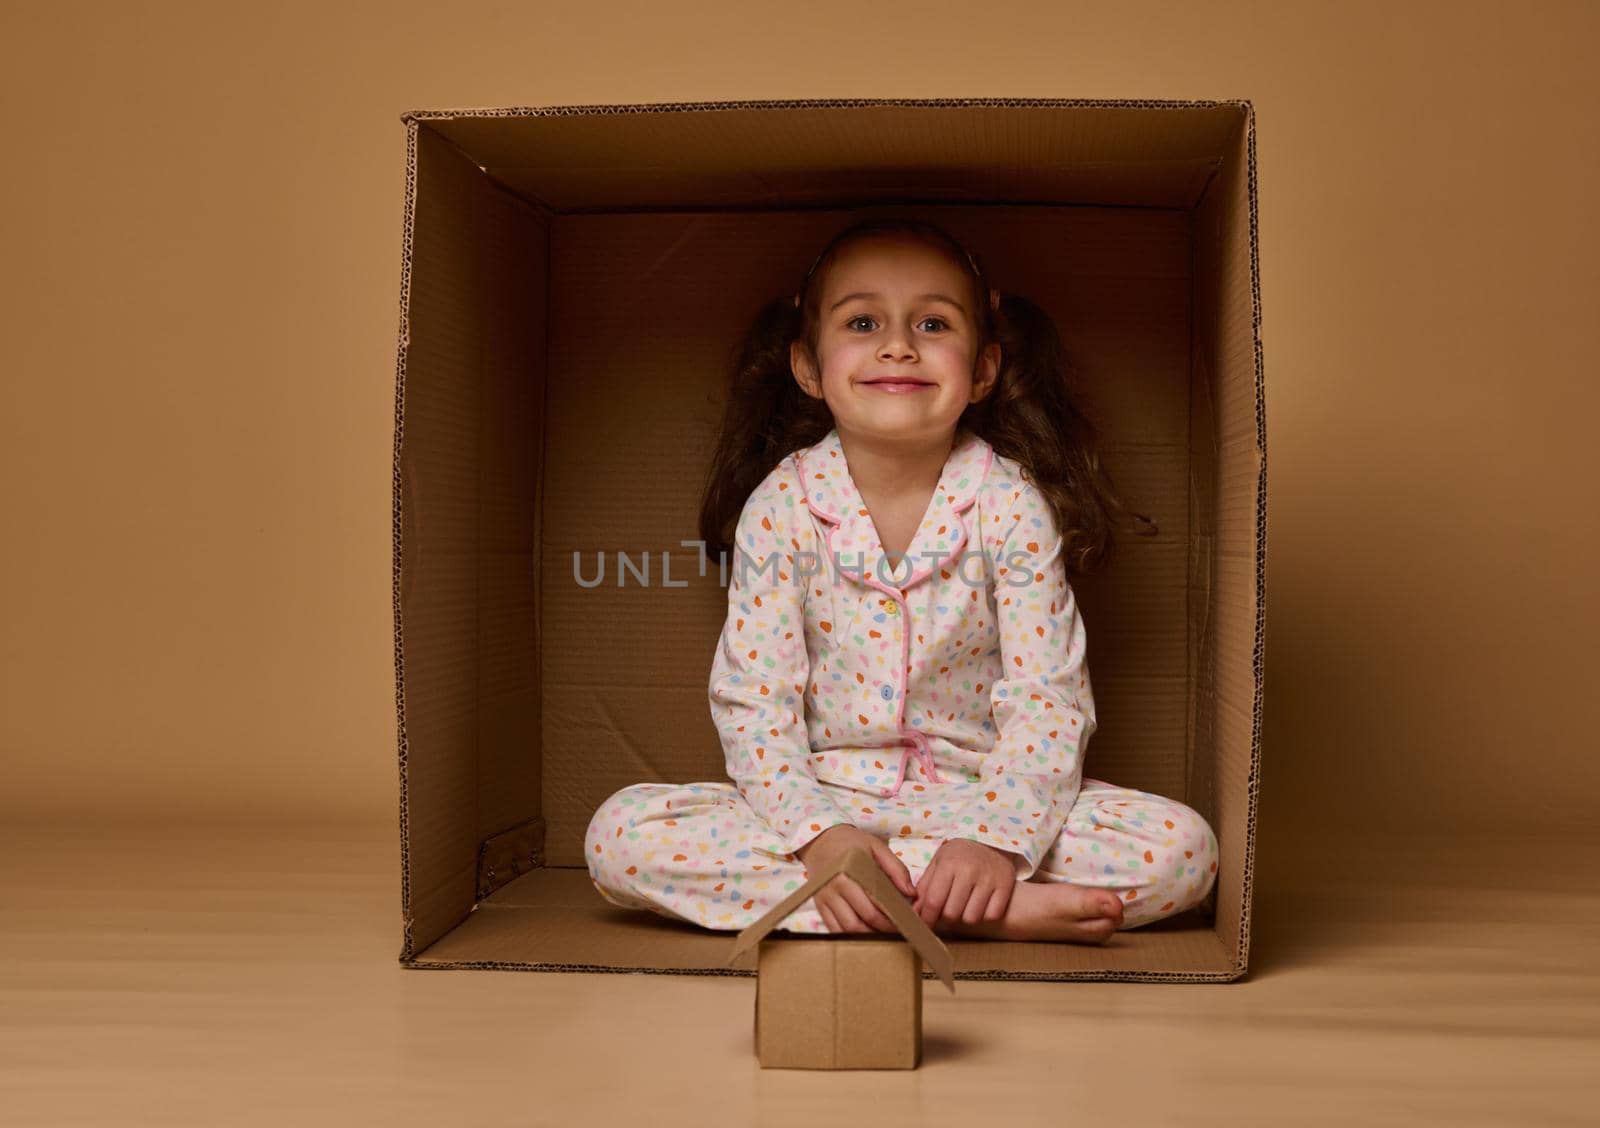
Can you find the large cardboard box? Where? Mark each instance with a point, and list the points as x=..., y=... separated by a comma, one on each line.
x=573, y=280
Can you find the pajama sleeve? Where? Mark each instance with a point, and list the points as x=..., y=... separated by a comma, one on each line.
x=760, y=671
x=1043, y=705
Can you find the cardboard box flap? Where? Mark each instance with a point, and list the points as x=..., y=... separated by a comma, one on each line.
x=858, y=864
x=811, y=153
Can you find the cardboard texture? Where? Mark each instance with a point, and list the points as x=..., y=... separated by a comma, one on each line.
x=573, y=280
x=845, y=1002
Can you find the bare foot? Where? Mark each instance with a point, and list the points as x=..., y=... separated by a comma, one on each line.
x=1050, y=911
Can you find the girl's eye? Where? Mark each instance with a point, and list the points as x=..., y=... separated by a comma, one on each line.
x=850, y=324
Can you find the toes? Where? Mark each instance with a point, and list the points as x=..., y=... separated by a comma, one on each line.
x=1095, y=931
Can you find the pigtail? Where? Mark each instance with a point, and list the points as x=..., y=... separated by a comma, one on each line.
x=1032, y=416
x=767, y=417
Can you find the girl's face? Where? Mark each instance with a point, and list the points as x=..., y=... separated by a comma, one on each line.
x=897, y=341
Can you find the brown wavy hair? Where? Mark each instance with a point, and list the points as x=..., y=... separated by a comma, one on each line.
x=1029, y=415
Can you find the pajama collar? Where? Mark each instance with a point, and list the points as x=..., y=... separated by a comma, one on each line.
x=853, y=543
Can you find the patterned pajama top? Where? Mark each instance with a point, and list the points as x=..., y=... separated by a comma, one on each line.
x=839, y=666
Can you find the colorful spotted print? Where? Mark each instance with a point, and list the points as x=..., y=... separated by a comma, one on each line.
x=842, y=675
x=697, y=852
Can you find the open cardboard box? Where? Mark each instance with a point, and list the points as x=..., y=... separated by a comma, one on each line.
x=574, y=279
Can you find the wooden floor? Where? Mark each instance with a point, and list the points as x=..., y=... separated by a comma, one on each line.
x=231, y=976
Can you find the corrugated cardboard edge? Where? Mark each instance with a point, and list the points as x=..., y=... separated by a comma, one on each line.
x=408, y=949
x=1094, y=976
x=858, y=865
x=1258, y=662
x=595, y=109
x=412, y=119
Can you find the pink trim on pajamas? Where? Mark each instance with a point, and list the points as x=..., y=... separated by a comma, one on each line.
x=833, y=679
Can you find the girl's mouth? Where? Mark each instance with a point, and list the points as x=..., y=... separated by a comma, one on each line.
x=899, y=386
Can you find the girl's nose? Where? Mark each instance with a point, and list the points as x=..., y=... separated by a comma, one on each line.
x=895, y=344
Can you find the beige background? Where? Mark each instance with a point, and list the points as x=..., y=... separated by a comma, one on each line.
x=200, y=221
x=202, y=235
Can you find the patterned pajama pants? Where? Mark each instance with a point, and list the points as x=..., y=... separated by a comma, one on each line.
x=697, y=852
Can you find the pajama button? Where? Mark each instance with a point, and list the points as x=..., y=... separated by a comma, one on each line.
x=888, y=694
x=893, y=608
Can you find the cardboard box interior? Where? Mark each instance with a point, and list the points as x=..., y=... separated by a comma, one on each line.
x=573, y=282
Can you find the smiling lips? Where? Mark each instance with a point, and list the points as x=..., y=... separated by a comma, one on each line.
x=898, y=385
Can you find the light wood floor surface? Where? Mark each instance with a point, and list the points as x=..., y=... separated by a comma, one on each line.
x=219, y=976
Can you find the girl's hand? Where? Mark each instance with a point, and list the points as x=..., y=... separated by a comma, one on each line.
x=844, y=905
x=966, y=881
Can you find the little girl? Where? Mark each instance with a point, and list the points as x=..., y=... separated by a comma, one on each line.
x=907, y=482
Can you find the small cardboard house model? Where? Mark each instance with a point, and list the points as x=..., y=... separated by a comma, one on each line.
x=573, y=284
x=845, y=1001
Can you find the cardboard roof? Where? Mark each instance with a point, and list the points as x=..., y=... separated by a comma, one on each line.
x=858, y=864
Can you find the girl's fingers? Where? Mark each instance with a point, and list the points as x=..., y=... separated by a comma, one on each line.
x=893, y=866
x=861, y=905
x=866, y=912
x=976, y=898
x=866, y=909
x=960, y=891
x=978, y=903
x=961, y=908
x=843, y=893
x=906, y=882
x=982, y=897
x=933, y=895
x=848, y=918
x=998, y=903
x=879, y=919
x=827, y=917
x=901, y=875
x=837, y=896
